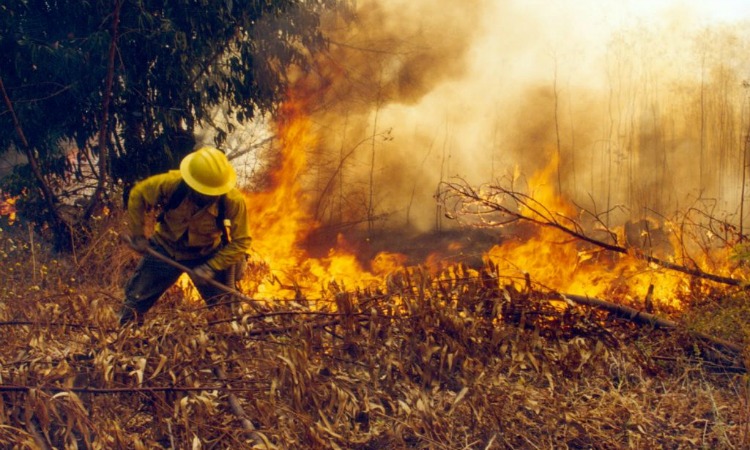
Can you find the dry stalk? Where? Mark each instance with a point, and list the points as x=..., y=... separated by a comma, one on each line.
x=471, y=357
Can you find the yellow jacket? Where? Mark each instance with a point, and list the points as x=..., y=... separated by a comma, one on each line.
x=188, y=231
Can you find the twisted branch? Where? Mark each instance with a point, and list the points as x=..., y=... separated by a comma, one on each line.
x=467, y=200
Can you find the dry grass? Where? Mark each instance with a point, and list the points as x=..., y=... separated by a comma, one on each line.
x=458, y=361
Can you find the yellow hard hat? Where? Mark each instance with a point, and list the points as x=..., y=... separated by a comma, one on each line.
x=208, y=171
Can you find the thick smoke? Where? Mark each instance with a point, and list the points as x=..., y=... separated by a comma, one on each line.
x=640, y=109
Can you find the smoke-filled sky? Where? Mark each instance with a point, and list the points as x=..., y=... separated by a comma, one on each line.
x=642, y=102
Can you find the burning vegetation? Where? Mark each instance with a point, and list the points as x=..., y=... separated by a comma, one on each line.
x=448, y=358
x=364, y=348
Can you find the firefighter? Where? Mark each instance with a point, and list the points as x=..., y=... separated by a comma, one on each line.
x=202, y=224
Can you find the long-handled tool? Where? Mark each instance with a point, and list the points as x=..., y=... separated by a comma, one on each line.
x=239, y=295
x=234, y=404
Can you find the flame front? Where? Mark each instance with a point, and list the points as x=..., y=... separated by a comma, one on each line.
x=558, y=261
x=280, y=223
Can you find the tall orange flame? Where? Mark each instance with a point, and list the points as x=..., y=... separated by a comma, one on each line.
x=558, y=261
x=280, y=221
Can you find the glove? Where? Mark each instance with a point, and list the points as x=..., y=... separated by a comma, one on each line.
x=138, y=243
x=205, y=271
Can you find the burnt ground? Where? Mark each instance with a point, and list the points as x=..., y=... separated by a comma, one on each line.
x=447, y=247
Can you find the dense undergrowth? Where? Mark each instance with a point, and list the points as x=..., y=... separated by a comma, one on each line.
x=460, y=360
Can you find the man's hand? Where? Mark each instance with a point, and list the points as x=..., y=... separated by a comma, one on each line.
x=138, y=243
x=205, y=271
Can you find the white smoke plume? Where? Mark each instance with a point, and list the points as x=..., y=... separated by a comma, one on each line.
x=644, y=103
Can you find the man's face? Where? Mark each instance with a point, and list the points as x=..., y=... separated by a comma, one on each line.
x=201, y=199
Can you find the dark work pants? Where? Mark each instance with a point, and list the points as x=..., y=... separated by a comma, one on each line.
x=153, y=277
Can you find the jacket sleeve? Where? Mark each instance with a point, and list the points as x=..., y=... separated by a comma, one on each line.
x=239, y=246
x=146, y=195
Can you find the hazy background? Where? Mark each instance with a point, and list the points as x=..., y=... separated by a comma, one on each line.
x=641, y=104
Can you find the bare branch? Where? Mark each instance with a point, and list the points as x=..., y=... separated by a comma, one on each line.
x=644, y=318
x=47, y=194
x=124, y=390
x=466, y=200
x=103, y=126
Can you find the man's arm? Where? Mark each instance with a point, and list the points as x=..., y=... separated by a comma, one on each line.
x=147, y=194
x=239, y=233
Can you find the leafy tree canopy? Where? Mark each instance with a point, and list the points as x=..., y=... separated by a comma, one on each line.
x=123, y=79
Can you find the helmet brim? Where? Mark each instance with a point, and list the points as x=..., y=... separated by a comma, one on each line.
x=227, y=186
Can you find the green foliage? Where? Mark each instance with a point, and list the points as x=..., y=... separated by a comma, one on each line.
x=176, y=63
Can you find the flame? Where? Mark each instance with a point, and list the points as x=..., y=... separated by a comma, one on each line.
x=560, y=262
x=280, y=221
x=8, y=207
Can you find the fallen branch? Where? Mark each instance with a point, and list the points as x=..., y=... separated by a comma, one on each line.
x=541, y=216
x=644, y=318
x=21, y=323
x=124, y=390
